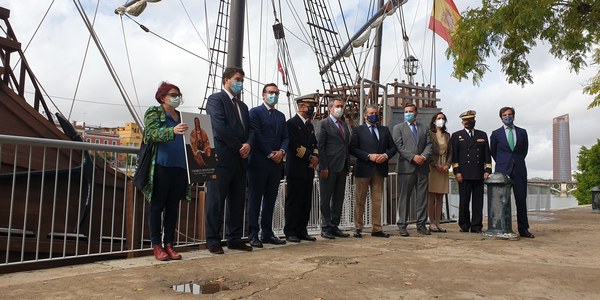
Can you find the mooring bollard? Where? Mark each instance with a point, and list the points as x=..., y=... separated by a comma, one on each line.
x=499, y=212
x=595, y=199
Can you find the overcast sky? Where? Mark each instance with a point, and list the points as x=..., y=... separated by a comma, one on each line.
x=56, y=54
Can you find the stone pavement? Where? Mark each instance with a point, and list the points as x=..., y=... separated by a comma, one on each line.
x=562, y=262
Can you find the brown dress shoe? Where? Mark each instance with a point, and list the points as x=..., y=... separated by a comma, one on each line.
x=159, y=252
x=171, y=252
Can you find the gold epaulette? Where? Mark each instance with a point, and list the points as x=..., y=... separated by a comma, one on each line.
x=455, y=165
x=488, y=166
x=316, y=151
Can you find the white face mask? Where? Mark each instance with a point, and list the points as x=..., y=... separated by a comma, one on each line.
x=338, y=112
x=174, y=102
x=439, y=123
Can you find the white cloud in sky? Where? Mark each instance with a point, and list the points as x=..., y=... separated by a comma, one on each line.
x=56, y=54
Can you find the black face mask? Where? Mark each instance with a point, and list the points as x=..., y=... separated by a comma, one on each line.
x=470, y=124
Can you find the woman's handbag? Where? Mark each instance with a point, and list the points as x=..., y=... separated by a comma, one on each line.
x=140, y=177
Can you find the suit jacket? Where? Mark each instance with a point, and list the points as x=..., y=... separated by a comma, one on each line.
x=229, y=134
x=471, y=155
x=302, y=145
x=270, y=134
x=362, y=144
x=333, y=149
x=509, y=161
x=408, y=147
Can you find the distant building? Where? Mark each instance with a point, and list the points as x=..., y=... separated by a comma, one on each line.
x=561, y=149
x=130, y=135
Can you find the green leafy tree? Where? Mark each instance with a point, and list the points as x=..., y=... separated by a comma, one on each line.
x=510, y=29
x=588, y=175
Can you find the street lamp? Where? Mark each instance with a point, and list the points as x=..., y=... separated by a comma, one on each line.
x=411, y=65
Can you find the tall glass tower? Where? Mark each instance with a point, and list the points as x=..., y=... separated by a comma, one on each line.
x=561, y=149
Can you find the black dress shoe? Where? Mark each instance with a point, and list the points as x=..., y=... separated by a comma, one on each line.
x=423, y=230
x=475, y=230
x=215, y=249
x=240, y=246
x=255, y=242
x=292, y=239
x=403, y=231
x=380, y=234
x=327, y=235
x=526, y=234
x=464, y=230
x=307, y=237
x=358, y=233
x=273, y=240
x=338, y=233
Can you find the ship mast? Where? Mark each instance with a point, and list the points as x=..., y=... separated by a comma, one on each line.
x=235, y=41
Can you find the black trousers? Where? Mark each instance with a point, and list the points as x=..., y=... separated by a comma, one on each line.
x=520, y=192
x=230, y=188
x=470, y=191
x=298, y=204
x=170, y=186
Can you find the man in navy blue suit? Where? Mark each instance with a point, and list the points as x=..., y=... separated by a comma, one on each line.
x=233, y=137
x=509, y=145
x=373, y=146
x=265, y=166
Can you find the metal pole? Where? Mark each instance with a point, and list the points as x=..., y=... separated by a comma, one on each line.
x=235, y=40
x=362, y=100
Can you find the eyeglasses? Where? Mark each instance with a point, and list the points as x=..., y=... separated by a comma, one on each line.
x=174, y=95
x=273, y=93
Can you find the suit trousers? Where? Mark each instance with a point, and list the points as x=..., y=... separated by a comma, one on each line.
x=170, y=184
x=466, y=190
x=407, y=182
x=363, y=184
x=332, y=190
x=229, y=187
x=298, y=205
x=520, y=192
x=263, y=185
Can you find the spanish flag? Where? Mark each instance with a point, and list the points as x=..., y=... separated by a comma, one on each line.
x=444, y=18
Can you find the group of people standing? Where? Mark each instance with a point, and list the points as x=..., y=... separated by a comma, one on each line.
x=251, y=145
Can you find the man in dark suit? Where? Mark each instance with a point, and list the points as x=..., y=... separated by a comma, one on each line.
x=233, y=137
x=265, y=166
x=334, y=164
x=471, y=164
x=373, y=146
x=414, y=149
x=509, y=145
x=301, y=162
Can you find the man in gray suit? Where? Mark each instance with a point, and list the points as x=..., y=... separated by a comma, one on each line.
x=334, y=163
x=414, y=149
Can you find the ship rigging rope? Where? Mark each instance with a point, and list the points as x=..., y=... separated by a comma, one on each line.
x=87, y=48
x=108, y=63
x=35, y=32
x=192, y=22
x=137, y=98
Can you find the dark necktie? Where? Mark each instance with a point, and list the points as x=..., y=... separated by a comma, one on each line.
x=374, y=134
x=413, y=128
x=339, y=125
x=237, y=110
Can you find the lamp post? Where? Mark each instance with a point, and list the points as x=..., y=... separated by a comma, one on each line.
x=411, y=65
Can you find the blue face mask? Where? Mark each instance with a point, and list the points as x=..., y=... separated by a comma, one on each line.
x=310, y=111
x=272, y=99
x=237, y=87
x=409, y=117
x=373, y=119
x=508, y=120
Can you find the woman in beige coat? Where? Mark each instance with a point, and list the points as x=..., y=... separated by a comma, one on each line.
x=441, y=157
